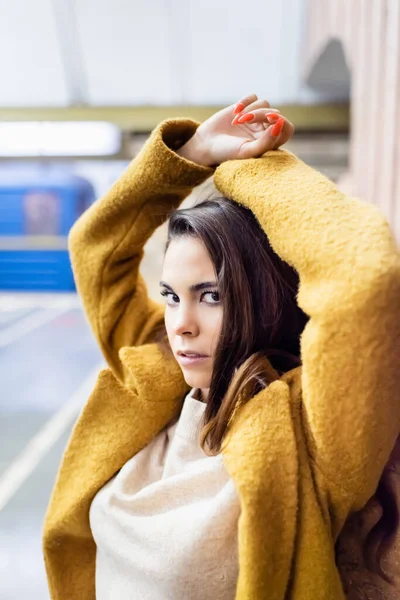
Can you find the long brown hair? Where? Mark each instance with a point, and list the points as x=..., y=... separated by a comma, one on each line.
x=262, y=323
x=261, y=329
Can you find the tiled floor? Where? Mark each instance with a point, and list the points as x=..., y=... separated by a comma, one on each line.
x=47, y=363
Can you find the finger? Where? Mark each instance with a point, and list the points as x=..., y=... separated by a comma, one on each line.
x=279, y=141
x=259, y=115
x=259, y=146
x=282, y=131
x=241, y=105
x=257, y=105
x=273, y=137
x=287, y=133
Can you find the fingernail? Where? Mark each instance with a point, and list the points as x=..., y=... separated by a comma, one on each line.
x=277, y=128
x=246, y=118
x=236, y=120
x=272, y=117
x=238, y=108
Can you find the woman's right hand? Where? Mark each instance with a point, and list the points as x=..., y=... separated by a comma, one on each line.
x=247, y=129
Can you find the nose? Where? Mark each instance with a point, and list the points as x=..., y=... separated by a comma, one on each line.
x=186, y=322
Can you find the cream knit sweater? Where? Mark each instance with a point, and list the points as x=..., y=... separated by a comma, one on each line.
x=166, y=525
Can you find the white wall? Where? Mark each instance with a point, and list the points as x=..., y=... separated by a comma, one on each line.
x=31, y=70
x=128, y=52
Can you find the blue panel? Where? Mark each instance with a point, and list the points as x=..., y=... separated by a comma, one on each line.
x=11, y=221
x=47, y=270
x=33, y=205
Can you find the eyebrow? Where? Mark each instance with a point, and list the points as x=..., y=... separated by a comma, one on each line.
x=193, y=288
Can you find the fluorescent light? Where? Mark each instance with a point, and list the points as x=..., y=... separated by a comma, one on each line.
x=67, y=138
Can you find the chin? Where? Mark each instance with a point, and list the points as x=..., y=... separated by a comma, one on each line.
x=197, y=380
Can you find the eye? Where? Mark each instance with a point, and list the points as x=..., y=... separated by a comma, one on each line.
x=172, y=299
x=213, y=297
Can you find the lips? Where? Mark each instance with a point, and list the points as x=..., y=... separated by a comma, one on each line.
x=191, y=354
x=188, y=359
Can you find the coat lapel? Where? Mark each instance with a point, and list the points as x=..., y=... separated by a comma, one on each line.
x=116, y=422
x=260, y=454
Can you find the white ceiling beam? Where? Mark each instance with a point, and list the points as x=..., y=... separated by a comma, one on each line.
x=71, y=51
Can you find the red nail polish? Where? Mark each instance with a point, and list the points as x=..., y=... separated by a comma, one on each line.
x=236, y=120
x=272, y=117
x=246, y=118
x=238, y=108
x=277, y=128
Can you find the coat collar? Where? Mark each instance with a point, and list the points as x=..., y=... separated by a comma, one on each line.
x=153, y=373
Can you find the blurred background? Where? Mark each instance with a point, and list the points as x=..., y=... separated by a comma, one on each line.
x=83, y=82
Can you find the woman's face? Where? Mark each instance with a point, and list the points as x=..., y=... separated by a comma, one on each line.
x=193, y=314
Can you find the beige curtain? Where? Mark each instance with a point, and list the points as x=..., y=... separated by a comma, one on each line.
x=369, y=31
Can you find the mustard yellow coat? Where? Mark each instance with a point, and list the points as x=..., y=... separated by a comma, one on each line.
x=303, y=453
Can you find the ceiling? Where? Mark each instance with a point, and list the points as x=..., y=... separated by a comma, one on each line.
x=149, y=52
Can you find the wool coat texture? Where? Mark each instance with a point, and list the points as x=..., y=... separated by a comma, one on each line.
x=305, y=453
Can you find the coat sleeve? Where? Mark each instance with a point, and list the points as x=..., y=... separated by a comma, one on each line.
x=106, y=243
x=349, y=272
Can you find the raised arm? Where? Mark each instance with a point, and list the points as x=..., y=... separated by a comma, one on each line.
x=349, y=272
x=106, y=243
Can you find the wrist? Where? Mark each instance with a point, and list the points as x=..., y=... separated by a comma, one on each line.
x=195, y=151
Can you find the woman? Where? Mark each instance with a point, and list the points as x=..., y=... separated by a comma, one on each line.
x=214, y=465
